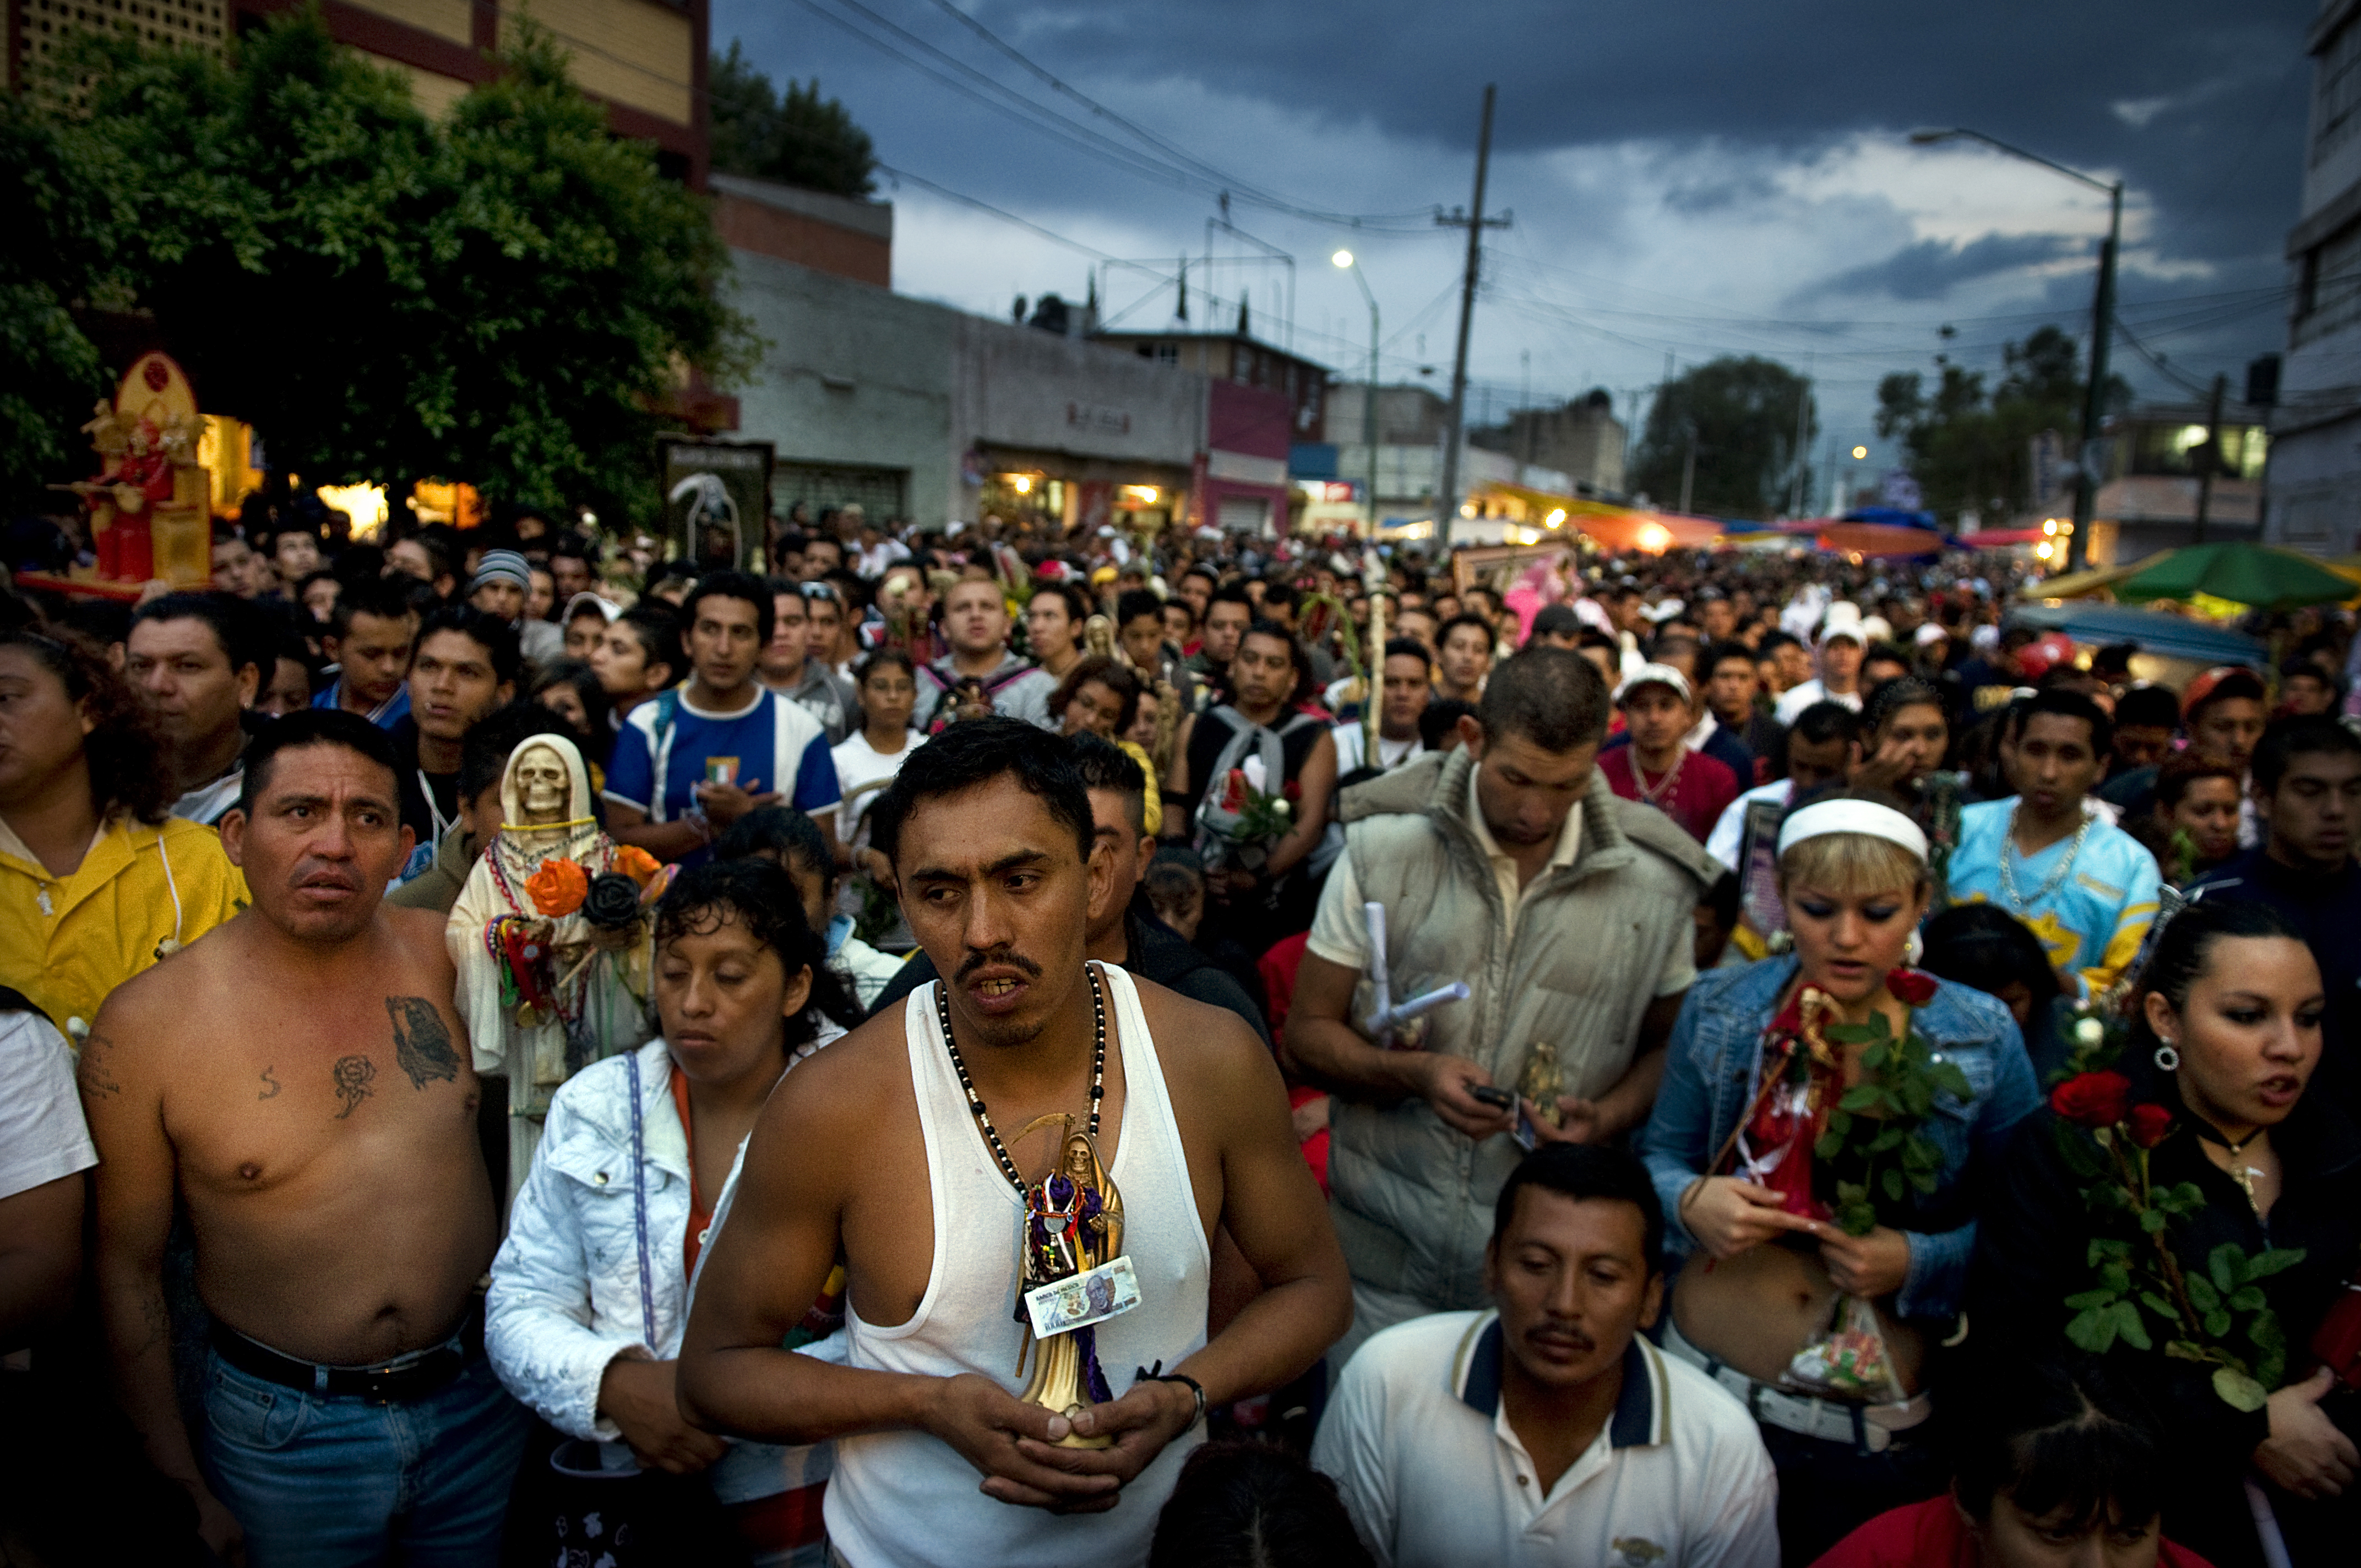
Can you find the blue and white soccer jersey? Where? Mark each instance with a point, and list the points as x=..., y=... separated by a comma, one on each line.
x=770, y=744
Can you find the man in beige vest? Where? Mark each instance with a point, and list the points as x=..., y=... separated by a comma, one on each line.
x=1509, y=864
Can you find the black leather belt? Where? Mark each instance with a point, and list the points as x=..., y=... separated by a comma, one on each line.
x=405, y=1377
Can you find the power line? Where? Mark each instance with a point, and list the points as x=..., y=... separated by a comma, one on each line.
x=993, y=94
x=1244, y=190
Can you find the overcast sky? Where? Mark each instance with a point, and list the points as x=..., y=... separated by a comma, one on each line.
x=1685, y=179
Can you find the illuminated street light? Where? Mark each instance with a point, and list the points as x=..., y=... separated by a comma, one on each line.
x=1859, y=452
x=1343, y=258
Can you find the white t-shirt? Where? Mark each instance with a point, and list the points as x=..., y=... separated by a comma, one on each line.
x=42, y=1136
x=1418, y=1443
x=1391, y=754
x=859, y=764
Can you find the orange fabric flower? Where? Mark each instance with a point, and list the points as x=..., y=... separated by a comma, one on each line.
x=636, y=863
x=558, y=888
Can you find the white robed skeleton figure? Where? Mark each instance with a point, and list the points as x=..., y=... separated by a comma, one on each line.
x=595, y=981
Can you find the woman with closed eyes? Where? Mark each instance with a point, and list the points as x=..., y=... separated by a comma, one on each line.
x=1801, y=1203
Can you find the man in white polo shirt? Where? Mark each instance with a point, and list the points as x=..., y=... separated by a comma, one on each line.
x=1546, y=1430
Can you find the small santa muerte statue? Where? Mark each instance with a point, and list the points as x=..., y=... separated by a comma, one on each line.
x=1073, y=1223
x=552, y=939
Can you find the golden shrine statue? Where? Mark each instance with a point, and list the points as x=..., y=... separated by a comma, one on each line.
x=150, y=514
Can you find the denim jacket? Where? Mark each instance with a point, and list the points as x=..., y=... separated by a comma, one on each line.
x=1709, y=1079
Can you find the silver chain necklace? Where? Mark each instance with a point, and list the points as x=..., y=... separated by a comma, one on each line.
x=1655, y=794
x=2055, y=879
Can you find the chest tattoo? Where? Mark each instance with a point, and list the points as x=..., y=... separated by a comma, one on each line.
x=352, y=1075
x=271, y=1086
x=421, y=1044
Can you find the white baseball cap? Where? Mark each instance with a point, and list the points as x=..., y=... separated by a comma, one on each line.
x=1652, y=676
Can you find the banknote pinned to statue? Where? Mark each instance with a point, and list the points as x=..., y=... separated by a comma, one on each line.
x=1073, y=1277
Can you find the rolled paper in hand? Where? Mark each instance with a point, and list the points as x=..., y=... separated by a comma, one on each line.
x=1394, y=1017
x=1381, y=990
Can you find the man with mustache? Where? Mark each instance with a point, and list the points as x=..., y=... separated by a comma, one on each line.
x=1546, y=1430
x=901, y=1149
x=299, y=1078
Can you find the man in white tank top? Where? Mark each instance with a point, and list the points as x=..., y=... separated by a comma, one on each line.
x=904, y=1152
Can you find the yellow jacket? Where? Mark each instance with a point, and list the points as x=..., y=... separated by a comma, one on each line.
x=65, y=942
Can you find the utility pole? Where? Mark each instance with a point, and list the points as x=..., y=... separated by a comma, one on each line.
x=2103, y=316
x=1446, y=502
x=1802, y=463
x=1688, y=470
x=2212, y=460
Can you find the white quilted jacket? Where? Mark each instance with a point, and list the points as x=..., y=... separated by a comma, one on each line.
x=565, y=1298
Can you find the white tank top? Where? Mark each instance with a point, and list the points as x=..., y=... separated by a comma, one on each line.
x=906, y=1500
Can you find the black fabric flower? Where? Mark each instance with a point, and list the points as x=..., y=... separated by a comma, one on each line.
x=613, y=901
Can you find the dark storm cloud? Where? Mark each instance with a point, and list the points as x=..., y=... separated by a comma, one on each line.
x=1931, y=269
x=1618, y=125
x=2173, y=92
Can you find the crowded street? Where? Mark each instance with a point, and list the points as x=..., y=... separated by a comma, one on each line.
x=674, y=892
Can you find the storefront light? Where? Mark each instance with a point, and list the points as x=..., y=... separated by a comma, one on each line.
x=2049, y=527
x=1021, y=483
x=364, y=504
x=2043, y=551
x=1556, y=517
x=1656, y=537
x=1144, y=495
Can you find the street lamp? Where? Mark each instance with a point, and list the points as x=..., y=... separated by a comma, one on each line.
x=2103, y=310
x=1343, y=259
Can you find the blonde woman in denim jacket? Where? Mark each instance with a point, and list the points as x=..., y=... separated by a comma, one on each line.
x=1767, y=1265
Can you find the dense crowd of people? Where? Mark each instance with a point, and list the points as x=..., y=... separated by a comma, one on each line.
x=996, y=1045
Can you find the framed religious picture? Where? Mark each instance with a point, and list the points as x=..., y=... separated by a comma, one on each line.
x=716, y=501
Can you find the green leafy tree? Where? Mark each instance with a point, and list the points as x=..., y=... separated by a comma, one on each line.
x=52, y=259
x=1970, y=451
x=501, y=298
x=1741, y=415
x=797, y=137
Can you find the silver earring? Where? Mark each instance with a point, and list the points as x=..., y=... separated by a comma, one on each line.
x=1914, y=950
x=2166, y=1057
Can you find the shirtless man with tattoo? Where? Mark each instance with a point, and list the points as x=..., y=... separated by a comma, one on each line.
x=300, y=1078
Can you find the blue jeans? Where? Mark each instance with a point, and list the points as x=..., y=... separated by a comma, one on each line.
x=322, y=1481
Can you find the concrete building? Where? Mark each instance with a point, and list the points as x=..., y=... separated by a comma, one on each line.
x=1495, y=488
x=643, y=60
x=2315, y=482
x=2154, y=490
x=1243, y=360
x=1582, y=439
x=916, y=410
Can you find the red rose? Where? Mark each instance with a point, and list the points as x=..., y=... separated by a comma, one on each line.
x=1234, y=792
x=2092, y=1099
x=2149, y=1123
x=1290, y=790
x=1910, y=987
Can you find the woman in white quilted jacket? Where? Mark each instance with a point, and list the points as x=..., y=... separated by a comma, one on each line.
x=590, y=1291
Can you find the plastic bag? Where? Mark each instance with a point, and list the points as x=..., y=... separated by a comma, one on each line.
x=1846, y=1358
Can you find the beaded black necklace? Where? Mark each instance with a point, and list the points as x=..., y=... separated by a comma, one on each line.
x=975, y=1101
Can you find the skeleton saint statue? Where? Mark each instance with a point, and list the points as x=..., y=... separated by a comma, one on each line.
x=1073, y=1222
x=552, y=956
